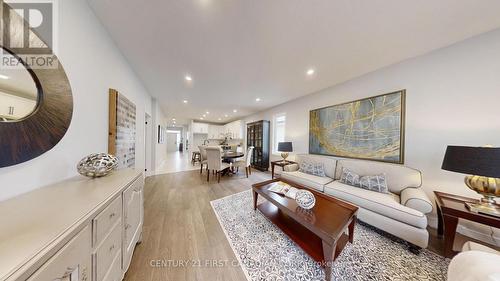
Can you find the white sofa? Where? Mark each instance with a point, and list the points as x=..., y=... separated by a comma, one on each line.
x=475, y=262
x=402, y=212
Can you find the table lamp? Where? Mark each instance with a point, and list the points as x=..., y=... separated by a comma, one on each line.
x=482, y=164
x=284, y=148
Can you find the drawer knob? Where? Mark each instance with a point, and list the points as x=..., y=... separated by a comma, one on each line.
x=112, y=248
x=127, y=226
x=112, y=215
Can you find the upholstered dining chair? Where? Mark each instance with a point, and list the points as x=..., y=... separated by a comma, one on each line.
x=246, y=162
x=214, y=161
x=203, y=160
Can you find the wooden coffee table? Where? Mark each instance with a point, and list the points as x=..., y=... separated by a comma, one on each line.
x=320, y=232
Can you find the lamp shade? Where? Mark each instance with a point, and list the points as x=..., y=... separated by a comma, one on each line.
x=285, y=146
x=477, y=161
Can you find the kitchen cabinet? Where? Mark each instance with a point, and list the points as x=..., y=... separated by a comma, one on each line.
x=234, y=129
x=200, y=128
x=215, y=132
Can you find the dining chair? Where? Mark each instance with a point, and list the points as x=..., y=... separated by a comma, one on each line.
x=203, y=160
x=246, y=162
x=214, y=161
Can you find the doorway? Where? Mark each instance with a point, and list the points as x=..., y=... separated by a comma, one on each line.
x=173, y=141
x=147, y=144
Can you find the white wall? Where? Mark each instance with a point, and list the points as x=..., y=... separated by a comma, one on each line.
x=160, y=149
x=453, y=97
x=93, y=65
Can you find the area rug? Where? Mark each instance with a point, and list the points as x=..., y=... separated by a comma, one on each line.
x=266, y=253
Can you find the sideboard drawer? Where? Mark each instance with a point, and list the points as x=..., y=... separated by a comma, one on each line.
x=103, y=222
x=107, y=251
x=72, y=262
x=115, y=271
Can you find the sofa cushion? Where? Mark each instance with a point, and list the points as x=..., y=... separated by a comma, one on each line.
x=308, y=180
x=386, y=204
x=398, y=177
x=313, y=168
x=328, y=162
x=376, y=183
x=349, y=177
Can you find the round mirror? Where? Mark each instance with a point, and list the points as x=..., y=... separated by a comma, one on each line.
x=19, y=94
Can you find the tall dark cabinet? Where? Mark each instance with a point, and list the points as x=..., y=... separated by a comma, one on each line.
x=258, y=134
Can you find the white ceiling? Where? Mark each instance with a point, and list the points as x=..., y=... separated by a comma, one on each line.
x=238, y=50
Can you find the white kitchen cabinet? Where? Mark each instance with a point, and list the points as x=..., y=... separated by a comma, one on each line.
x=234, y=129
x=214, y=132
x=200, y=128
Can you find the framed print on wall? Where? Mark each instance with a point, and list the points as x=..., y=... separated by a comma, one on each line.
x=121, y=139
x=370, y=129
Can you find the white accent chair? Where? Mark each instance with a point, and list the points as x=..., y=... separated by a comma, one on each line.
x=214, y=161
x=246, y=162
x=475, y=262
x=401, y=212
x=203, y=155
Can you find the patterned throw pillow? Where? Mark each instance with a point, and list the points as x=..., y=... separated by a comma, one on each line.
x=376, y=183
x=349, y=177
x=313, y=168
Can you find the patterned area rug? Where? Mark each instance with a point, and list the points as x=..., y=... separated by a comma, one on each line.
x=266, y=253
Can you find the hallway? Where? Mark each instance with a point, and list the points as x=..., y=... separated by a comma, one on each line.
x=177, y=162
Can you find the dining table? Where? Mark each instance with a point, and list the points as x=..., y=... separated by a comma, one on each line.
x=229, y=157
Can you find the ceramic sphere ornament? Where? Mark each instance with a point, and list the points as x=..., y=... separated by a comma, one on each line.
x=305, y=199
x=97, y=165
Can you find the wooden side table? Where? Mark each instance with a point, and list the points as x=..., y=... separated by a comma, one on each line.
x=281, y=164
x=450, y=208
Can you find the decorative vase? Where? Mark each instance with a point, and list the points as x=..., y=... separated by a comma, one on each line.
x=97, y=165
x=305, y=199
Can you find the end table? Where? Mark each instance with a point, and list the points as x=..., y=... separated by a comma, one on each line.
x=281, y=164
x=450, y=208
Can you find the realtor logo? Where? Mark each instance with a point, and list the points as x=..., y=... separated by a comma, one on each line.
x=28, y=31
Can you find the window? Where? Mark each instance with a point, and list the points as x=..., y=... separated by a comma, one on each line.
x=279, y=130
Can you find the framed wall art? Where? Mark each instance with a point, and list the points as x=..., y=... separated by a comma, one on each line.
x=370, y=128
x=122, y=131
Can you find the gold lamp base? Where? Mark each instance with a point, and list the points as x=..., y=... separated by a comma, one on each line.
x=284, y=155
x=489, y=188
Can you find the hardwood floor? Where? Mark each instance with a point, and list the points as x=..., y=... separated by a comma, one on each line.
x=182, y=238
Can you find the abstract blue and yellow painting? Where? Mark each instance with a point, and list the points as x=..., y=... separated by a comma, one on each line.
x=371, y=128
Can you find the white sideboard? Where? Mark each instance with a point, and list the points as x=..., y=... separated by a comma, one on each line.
x=80, y=229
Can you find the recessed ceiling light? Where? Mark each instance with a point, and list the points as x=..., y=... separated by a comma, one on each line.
x=185, y=101
x=234, y=110
x=310, y=71
x=173, y=119
x=188, y=78
x=219, y=119
x=201, y=118
x=4, y=77
x=204, y=115
x=257, y=99
x=207, y=112
x=225, y=115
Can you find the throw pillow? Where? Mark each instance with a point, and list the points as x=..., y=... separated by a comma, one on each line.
x=313, y=168
x=349, y=177
x=376, y=183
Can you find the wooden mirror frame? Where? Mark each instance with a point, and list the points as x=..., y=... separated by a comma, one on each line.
x=27, y=138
